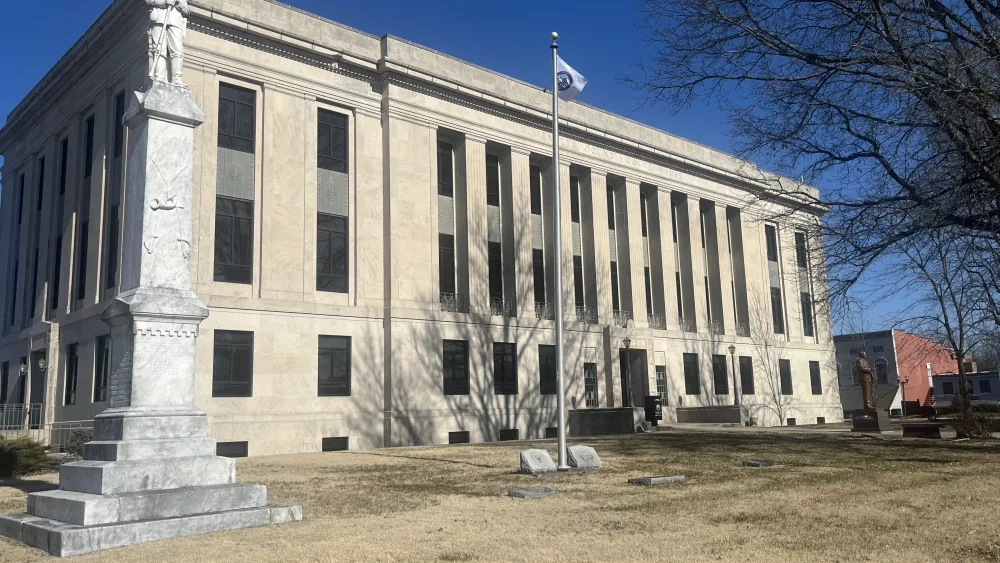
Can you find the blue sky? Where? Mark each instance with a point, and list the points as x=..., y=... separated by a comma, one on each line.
x=600, y=39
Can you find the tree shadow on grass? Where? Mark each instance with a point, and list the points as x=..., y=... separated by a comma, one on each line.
x=28, y=485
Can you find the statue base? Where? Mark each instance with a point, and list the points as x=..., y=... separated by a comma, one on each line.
x=873, y=421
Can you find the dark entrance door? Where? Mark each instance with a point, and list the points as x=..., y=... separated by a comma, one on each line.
x=635, y=380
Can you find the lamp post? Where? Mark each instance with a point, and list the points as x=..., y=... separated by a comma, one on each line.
x=903, y=383
x=736, y=389
x=627, y=397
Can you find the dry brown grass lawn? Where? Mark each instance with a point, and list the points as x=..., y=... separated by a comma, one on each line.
x=834, y=498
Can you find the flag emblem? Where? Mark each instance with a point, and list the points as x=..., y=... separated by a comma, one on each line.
x=569, y=82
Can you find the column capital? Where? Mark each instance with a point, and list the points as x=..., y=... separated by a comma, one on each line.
x=520, y=150
x=595, y=171
x=474, y=138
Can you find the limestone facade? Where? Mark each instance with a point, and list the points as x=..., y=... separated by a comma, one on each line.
x=680, y=211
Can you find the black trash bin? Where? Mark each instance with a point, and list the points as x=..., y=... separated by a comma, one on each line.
x=654, y=409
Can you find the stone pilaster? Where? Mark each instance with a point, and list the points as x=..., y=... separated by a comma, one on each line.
x=602, y=249
x=474, y=153
x=636, y=261
x=565, y=223
x=520, y=172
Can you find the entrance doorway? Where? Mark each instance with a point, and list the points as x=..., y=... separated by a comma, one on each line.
x=36, y=393
x=635, y=379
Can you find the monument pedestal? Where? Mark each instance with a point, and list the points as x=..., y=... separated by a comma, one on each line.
x=874, y=421
x=151, y=472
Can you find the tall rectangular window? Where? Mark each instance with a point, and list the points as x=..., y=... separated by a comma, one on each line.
x=615, y=298
x=72, y=375
x=578, y=281
x=611, y=209
x=331, y=253
x=746, y=376
x=21, y=387
x=815, y=378
x=642, y=215
x=538, y=271
x=114, y=199
x=446, y=262
x=536, y=190
x=785, y=376
x=58, y=226
x=661, y=385
x=807, y=314
x=12, y=306
x=455, y=362
x=504, y=369
x=446, y=176
x=771, y=238
x=81, y=267
x=801, y=254
x=649, y=289
x=777, y=312
x=334, y=366
x=496, y=270
x=692, y=376
x=590, y=385
x=234, y=204
x=102, y=368
x=83, y=241
x=547, y=380
x=492, y=180
x=232, y=364
x=4, y=381
x=332, y=223
x=32, y=293
x=720, y=374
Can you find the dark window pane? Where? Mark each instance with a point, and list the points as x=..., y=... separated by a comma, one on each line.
x=536, y=190
x=661, y=385
x=615, y=302
x=331, y=253
x=72, y=375
x=4, y=381
x=446, y=262
x=578, y=281
x=492, y=180
x=785, y=373
x=336, y=444
x=81, y=272
x=801, y=255
x=63, y=165
x=771, y=236
x=642, y=215
x=119, y=124
x=233, y=240
x=692, y=376
x=237, y=115
x=102, y=370
x=331, y=141
x=948, y=388
x=56, y=275
x=807, y=315
x=746, y=375
x=446, y=181
x=590, y=384
x=777, y=312
x=538, y=269
x=985, y=387
x=720, y=374
x=455, y=362
x=548, y=382
x=509, y=434
x=496, y=270
x=574, y=199
x=504, y=369
x=649, y=291
x=232, y=449
x=88, y=154
x=815, y=378
x=112, y=259
x=232, y=366
x=334, y=366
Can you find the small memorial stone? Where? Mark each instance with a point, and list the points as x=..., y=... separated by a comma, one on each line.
x=531, y=492
x=758, y=463
x=583, y=457
x=665, y=480
x=537, y=462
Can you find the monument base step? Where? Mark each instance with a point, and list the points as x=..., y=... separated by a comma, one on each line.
x=62, y=539
x=89, y=510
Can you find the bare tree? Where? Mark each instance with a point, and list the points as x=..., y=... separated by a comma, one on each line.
x=768, y=351
x=895, y=101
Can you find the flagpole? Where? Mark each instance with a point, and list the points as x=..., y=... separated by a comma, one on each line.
x=556, y=173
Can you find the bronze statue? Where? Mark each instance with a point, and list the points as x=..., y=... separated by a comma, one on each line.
x=865, y=378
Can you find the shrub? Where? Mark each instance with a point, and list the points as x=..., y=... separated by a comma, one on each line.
x=79, y=437
x=24, y=456
x=976, y=425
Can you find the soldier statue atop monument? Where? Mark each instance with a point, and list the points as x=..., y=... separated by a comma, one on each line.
x=167, y=28
x=865, y=379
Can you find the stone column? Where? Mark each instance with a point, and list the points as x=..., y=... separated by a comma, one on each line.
x=636, y=260
x=151, y=472
x=475, y=189
x=520, y=172
x=602, y=245
x=666, y=227
x=725, y=269
x=697, y=266
x=566, y=232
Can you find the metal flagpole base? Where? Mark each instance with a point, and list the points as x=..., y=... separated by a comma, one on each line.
x=563, y=468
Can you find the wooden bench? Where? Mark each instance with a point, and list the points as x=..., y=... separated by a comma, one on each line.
x=928, y=430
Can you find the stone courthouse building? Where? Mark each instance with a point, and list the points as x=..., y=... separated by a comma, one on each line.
x=373, y=236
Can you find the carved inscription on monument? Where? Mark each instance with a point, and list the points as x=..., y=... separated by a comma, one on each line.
x=121, y=380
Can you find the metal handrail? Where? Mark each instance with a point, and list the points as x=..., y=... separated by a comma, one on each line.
x=452, y=302
x=656, y=321
x=545, y=311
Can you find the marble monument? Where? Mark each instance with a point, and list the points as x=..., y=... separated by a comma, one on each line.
x=151, y=472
